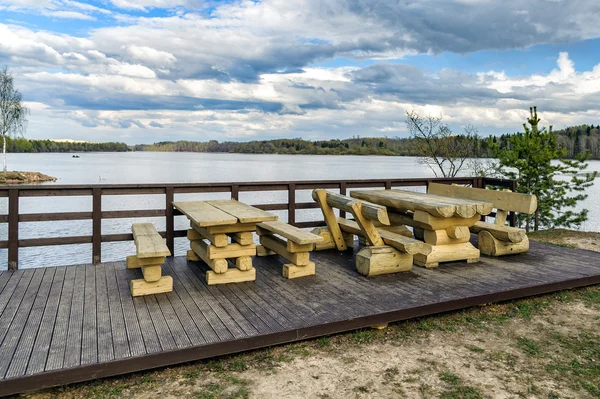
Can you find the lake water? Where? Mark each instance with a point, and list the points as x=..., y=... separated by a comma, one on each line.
x=149, y=167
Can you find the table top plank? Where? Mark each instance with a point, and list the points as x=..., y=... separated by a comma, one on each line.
x=205, y=214
x=243, y=212
x=435, y=205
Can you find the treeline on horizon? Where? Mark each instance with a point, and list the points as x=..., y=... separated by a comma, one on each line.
x=575, y=140
x=23, y=145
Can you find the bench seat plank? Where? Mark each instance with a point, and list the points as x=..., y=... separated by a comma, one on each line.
x=290, y=232
x=398, y=241
x=148, y=242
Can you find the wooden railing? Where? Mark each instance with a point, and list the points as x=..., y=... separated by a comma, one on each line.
x=97, y=192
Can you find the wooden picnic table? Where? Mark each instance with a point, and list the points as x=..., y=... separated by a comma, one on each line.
x=440, y=221
x=227, y=225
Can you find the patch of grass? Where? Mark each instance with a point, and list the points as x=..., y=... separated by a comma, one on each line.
x=323, y=342
x=579, y=366
x=462, y=392
x=475, y=349
x=456, y=388
x=301, y=349
x=215, y=365
x=450, y=378
x=238, y=365
x=210, y=391
x=107, y=389
x=528, y=346
x=391, y=372
x=363, y=336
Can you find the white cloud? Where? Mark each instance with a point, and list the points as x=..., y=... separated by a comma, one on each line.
x=68, y=15
x=246, y=69
x=65, y=9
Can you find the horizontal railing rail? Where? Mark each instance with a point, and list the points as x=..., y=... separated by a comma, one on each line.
x=99, y=191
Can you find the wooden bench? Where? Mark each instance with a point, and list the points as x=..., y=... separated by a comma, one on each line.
x=150, y=255
x=295, y=246
x=495, y=239
x=386, y=252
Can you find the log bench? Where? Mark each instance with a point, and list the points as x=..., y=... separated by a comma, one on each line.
x=294, y=245
x=495, y=239
x=388, y=249
x=150, y=255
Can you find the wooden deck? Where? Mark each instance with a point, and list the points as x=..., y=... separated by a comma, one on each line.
x=67, y=324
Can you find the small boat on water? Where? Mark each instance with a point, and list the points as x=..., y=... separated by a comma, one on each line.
x=75, y=156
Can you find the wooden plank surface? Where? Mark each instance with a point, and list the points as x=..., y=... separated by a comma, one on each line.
x=89, y=348
x=204, y=214
x=104, y=339
x=149, y=244
x=74, y=332
x=58, y=343
x=45, y=312
x=20, y=337
x=291, y=233
x=41, y=346
x=243, y=212
x=402, y=200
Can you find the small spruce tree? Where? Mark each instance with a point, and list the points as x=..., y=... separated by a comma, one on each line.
x=534, y=159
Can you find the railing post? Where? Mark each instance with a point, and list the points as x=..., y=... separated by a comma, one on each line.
x=292, y=203
x=13, y=229
x=235, y=192
x=343, y=192
x=96, y=225
x=170, y=219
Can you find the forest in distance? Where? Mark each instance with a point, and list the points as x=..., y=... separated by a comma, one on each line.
x=575, y=140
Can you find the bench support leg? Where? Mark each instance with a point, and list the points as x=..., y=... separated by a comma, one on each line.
x=374, y=261
x=142, y=287
x=448, y=253
x=293, y=271
x=491, y=246
x=232, y=275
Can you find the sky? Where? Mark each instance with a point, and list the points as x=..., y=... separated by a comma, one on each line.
x=158, y=70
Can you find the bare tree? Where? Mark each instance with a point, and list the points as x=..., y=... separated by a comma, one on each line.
x=13, y=114
x=444, y=152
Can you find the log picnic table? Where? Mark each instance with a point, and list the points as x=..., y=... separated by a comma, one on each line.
x=218, y=222
x=442, y=222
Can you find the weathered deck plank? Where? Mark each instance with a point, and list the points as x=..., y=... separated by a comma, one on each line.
x=89, y=347
x=58, y=343
x=74, y=341
x=23, y=329
x=127, y=341
x=39, y=355
x=105, y=339
x=66, y=324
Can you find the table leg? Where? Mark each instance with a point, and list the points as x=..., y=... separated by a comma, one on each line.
x=445, y=248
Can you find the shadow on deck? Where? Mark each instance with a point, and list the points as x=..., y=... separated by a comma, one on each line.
x=67, y=324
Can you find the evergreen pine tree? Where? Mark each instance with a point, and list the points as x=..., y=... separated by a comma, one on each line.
x=559, y=185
